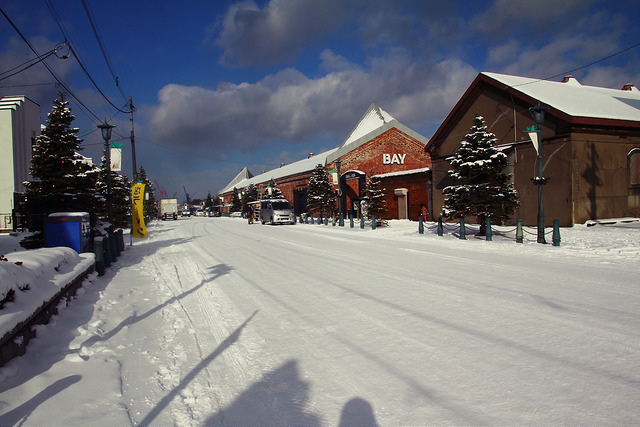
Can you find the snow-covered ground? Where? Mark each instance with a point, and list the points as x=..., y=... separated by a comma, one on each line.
x=211, y=321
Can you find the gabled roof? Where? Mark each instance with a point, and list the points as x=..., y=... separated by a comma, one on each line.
x=242, y=175
x=373, y=123
x=568, y=100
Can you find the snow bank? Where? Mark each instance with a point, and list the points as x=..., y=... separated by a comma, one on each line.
x=36, y=277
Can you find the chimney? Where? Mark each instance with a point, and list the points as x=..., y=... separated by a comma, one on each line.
x=282, y=164
x=310, y=155
x=630, y=87
x=571, y=80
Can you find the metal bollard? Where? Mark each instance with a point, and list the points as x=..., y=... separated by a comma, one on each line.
x=350, y=221
x=326, y=220
x=98, y=250
x=106, y=251
x=420, y=225
x=362, y=222
x=519, y=235
x=440, y=230
x=341, y=223
x=313, y=220
x=556, y=232
x=112, y=247
x=463, y=231
x=373, y=222
x=487, y=232
x=120, y=234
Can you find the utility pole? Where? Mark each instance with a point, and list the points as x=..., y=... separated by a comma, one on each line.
x=133, y=143
x=133, y=160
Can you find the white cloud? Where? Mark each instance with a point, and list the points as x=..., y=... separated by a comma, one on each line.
x=289, y=106
x=250, y=35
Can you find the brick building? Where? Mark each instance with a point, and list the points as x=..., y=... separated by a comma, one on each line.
x=378, y=145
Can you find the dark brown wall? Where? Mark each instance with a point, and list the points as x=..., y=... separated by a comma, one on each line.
x=587, y=167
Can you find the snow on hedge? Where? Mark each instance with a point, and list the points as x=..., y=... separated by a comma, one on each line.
x=31, y=278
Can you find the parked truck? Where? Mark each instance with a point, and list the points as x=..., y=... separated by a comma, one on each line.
x=168, y=209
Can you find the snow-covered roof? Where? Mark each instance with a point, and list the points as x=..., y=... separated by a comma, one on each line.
x=370, y=121
x=295, y=168
x=245, y=173
x=576, y=99
x=374, y=122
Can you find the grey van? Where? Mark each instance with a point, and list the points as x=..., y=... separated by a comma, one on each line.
x=276, y=211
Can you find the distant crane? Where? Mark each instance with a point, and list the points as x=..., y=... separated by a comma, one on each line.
x=187, y=195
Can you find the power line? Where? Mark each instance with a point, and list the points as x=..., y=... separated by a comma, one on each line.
x=581, y=67
x=67, y=37
x=102, y=48
x=55, y=76
x=29, y=63
x=94, y=82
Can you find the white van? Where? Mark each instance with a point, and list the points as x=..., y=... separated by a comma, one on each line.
x=276, y=211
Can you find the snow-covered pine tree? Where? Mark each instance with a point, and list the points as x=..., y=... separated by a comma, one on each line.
x=272, y=191
x=321, y=198
x=250, y=195
x=482, y=187
x=150, y=207
x=63, y=180
x=208, y=202
x=236, y=203
x=376, y=203
x=120, y=197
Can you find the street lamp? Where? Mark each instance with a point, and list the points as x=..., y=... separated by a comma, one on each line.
x=538, y=117
x=338, y=165
x=106, y=128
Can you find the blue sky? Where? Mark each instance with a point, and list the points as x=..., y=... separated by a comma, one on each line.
x=219, y=85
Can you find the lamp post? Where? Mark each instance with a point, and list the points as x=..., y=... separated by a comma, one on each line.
x=338, y=165
x=540, y=181
x=106, y=128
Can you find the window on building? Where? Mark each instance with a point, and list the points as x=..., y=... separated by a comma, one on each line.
x=634, y=167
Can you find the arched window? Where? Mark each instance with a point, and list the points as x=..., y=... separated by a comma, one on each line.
x=633, y=159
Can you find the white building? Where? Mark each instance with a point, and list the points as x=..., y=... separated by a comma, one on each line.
x=19, y=127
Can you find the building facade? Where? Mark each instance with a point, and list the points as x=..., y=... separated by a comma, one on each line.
x=590, y=142
x=378, y=145
x=19, y=127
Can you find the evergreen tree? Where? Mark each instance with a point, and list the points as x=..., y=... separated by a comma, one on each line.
x=63, y=180
x=208, y=202
x=120, y=197
x=482, y=187
x=250, y=195
x=321, y=198
x=150, y=206
x=376, y=203
x=236, y=203
x=272, y=191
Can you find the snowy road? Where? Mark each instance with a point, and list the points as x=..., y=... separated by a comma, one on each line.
x=211, y=321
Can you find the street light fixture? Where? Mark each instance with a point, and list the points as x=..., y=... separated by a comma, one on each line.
x=538, y=116
x=106, y=128
x=338, y=165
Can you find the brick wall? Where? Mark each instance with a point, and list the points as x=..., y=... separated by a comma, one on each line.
x=392, y=151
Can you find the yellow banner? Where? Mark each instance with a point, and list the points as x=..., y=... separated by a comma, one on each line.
x=137, y=201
